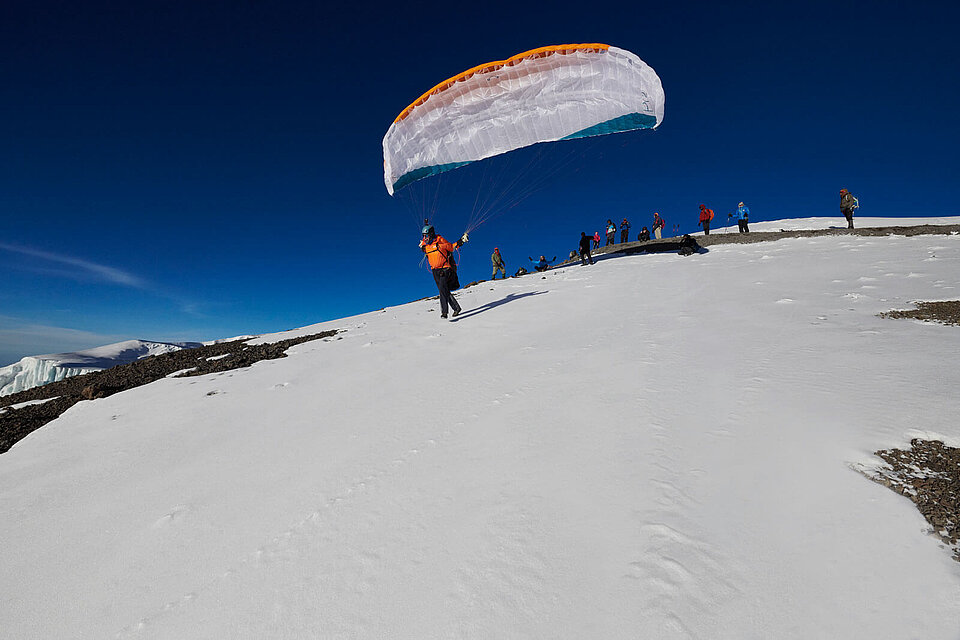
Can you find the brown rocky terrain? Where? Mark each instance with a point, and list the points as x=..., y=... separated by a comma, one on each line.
x=928, y=474
x=944, y=312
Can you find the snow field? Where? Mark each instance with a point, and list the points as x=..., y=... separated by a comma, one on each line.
x=652, y=446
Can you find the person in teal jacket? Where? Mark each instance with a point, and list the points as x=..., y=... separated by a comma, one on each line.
x=743, y=217
x=542, y=264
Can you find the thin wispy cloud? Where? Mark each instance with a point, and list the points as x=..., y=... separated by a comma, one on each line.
x=86, y=268
x=57, y=265
x=20, y=338
x=10, y=332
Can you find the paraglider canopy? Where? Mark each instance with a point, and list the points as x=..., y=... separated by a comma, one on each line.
x=542, y=95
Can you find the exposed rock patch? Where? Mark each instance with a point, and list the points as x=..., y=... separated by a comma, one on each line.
x=947, y=312
x=929, y=474
x=15, y=424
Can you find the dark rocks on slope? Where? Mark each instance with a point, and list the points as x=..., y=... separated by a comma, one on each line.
x=928, y=474
x=946, y=312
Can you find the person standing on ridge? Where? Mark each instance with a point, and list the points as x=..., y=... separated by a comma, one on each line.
x=847, y=204
x=596, y=239
x=743, y=217
x=611, y=233
x=439, y=254
x=499, y=264
x=585, y=249
x=658, y=225
x=624, y=231
x=706, y=215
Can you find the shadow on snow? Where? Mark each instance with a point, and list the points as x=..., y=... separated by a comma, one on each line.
x=496, y=303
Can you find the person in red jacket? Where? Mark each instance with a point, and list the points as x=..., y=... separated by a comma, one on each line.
x=706, y=215
x=439, y=254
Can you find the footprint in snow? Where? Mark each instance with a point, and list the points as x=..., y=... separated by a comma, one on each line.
x=175, y=514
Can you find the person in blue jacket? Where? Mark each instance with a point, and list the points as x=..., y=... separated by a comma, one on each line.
x=542, y=264
x=743, y=217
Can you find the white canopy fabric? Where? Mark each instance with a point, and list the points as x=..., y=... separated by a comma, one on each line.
x=546, y=94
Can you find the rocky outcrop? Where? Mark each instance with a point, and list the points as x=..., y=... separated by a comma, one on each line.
x=928, y=474
x=944, y=312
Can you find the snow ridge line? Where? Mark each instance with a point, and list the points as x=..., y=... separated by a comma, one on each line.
x=722, y=237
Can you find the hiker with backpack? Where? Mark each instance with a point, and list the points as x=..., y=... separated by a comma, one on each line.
x=706, y=215
x=658, y=225
x=439, y=254
x=624, y=231
x=847, y=204
x=611, y=233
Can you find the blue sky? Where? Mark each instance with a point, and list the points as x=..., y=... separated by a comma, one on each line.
x=191, y=171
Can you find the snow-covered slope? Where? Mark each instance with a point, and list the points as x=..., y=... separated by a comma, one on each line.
x=650, y=447
x=34, y=371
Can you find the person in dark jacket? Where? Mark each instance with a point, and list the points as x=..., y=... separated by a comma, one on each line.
x=624, y=231
x=439, y=254
x=847, y=204
x=499, y=264
x=688, y=246
x=585, y=249
x=644, y=235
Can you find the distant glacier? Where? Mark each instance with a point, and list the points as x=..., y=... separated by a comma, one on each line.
x=34, y=371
